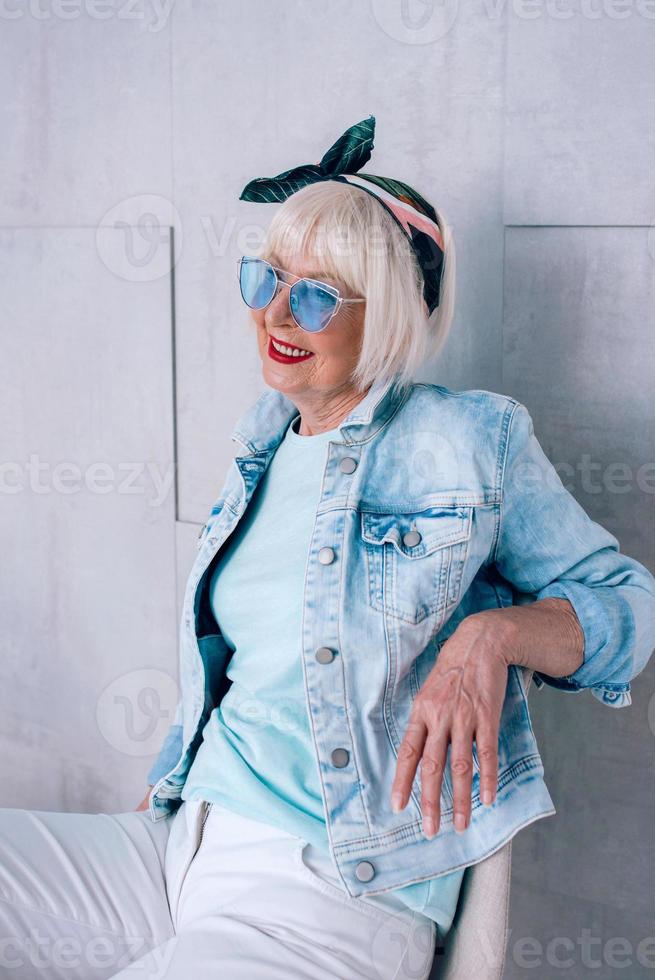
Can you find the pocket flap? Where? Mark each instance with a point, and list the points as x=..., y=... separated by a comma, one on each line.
x=420, y=533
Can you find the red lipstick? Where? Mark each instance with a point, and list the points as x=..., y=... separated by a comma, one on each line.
x=277, y=355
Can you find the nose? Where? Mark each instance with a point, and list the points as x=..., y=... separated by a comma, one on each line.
x=278, y=310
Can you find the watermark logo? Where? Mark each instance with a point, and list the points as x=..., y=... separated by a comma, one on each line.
x=409, y=941
x=135, y=711
x=135, y=238
x=415, y=21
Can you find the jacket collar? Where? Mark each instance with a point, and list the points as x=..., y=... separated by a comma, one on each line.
x=262, y=427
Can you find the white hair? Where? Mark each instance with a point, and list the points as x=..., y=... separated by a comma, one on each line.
x=355, y=240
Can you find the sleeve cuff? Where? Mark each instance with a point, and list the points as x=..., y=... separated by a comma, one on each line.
x=614, y=695
x=603, y=616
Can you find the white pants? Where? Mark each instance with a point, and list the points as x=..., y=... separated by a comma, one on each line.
x=93, y=896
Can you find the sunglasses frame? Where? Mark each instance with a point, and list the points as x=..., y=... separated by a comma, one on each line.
x=332, y=290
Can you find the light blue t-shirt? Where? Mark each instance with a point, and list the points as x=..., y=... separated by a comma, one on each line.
x=257, y=756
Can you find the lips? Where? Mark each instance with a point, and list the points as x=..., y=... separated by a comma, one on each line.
x=283, y=358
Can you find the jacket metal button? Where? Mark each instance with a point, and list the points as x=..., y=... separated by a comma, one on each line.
x=348, y=464
x=324, y=655
x=340, y=758
x=364, y=871
x=326, y=556
x=411, y=538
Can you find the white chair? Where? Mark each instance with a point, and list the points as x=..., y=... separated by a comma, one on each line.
x=476, y=943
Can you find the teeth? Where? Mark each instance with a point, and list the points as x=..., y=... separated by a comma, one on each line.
x=289, y=351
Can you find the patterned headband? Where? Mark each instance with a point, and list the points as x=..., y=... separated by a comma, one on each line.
x=412, y=212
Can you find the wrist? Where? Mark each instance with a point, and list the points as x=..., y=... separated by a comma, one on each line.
x=544, y=635
x=496, y=631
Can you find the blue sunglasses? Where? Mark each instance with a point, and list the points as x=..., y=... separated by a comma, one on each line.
x=312, y=303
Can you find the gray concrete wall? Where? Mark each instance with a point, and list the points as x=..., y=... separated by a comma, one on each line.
x=129, y=131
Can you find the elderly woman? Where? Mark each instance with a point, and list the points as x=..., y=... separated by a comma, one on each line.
x=384, y=561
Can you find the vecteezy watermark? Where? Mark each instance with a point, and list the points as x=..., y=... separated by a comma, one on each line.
x=46, y=955
x=152, y=14
x=136, y=239
x=67, y=477
x=586, y=949
x=288, y=714
x=135, y=711
x=567, y=9
x=417, y=22
x=335, y=241
x=615, y=477
x=432, y=457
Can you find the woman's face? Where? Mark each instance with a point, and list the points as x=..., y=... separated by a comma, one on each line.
x=333, y=351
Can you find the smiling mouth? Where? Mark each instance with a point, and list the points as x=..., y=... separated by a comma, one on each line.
x=287, y=352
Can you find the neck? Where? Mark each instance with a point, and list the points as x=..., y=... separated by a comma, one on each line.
x=322, y=411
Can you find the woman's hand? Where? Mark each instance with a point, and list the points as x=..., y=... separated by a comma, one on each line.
x=143, y=805
x=461, y=699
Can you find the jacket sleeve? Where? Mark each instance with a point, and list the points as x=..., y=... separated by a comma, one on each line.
x=171, y=749
x=548, y=546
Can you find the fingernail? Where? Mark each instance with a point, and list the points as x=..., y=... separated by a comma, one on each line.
x=460, y=822
x=487, y=797
x=396, y=802
x=428, y=827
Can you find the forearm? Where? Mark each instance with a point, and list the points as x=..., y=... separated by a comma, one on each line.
x=544, y=635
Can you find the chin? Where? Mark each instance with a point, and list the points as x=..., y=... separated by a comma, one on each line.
x=277, y=378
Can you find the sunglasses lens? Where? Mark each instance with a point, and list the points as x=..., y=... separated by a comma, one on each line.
x=311, y=305
x=257, y=283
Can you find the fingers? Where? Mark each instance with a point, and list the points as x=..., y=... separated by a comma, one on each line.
x=409, y=755
x=427, y=744
x=433, y=765
x=486, y=741
x=461, y=768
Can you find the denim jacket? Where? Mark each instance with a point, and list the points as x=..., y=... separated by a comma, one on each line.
x=434, y=504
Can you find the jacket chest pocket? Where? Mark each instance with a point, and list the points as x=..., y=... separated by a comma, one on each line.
x=415, y=560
